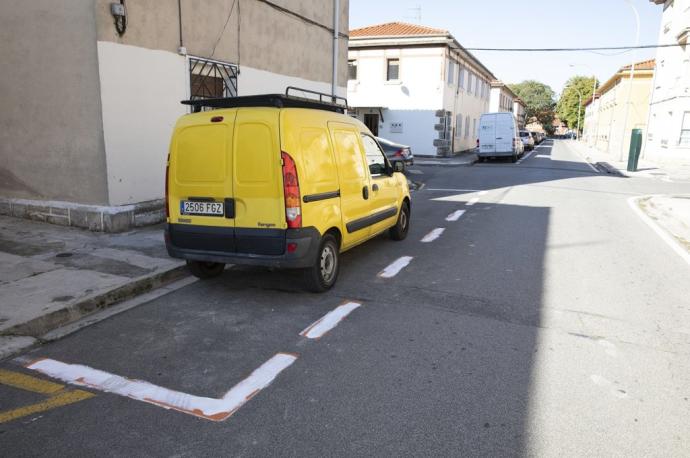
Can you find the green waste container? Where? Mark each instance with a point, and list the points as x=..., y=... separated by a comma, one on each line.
x=635, y=148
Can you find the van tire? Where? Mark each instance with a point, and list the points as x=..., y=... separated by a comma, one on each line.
x=201, y=269
x=399, y=231
x=514, y=158
x=321, y=276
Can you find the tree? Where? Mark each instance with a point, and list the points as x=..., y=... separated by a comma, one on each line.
x=569, y=101
x=539, y=101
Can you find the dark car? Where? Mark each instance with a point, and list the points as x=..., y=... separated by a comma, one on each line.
x=396, y=152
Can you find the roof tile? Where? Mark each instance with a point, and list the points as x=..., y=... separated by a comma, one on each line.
x=395, y=29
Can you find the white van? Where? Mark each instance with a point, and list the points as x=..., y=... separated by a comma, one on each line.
x=499, y=137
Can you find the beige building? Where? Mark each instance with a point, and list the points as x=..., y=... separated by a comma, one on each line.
x=606, y=114
x=519, y=112
x=95, y=87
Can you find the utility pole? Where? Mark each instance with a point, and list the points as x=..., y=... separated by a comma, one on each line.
x=630, y=83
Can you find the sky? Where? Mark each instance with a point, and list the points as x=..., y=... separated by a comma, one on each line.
x=530, y=24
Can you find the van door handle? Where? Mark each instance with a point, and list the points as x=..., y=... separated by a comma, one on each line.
x=374, y=187
x=365, y=193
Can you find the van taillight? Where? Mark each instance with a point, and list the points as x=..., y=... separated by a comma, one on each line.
x=293, y=208
x=167, y=175
x=398, y=153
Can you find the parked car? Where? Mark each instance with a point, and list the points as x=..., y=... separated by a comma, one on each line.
x=498, y=136
x=538, y=137
x=395, y=152
x=278, y=181
x=527, y=140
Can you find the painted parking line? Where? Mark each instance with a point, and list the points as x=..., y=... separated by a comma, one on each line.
x=452, y=190
x=320, y=327
x=58, y=395
x=455, y=215
x=433, y=235
x=395, y=267
x=472, y=201
x=524, y=158
x=199, y=406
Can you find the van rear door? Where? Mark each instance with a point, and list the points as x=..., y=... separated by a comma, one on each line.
x=257, y=182
x=487, y=134
x=505, y=133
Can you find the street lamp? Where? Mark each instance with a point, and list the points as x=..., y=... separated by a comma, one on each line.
x=632, y=74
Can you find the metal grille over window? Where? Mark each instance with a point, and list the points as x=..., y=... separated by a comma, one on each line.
x=211, y=79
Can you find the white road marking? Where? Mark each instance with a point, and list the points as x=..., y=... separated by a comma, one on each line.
x=318, y=328
x=524, y=158
x=670, y=241
x=455, y=215
x=472, y=201
x=481, y=193
x=395, y=267
x=542, y=156
x=208, y=408
x=433, y=235
x=453, y=190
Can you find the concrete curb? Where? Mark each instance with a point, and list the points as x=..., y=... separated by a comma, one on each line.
x=437, y=163
x=75, y=311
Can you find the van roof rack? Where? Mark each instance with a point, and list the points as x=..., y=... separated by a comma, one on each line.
x=324, y=102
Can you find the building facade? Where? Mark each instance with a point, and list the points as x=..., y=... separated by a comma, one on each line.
x=605, y=115
x=501, y=98
x=96, y=88
x=668, y=135
x=417, y=86
x=519, y=112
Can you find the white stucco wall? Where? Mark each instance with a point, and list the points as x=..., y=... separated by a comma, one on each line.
x=141, y=91
x=251, y=81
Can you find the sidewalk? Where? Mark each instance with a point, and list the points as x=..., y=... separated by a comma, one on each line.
x=610, y=163
x=54, y=275
x=461, y=160
x=672, y=214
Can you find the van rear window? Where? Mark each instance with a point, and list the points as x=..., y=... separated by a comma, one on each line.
x=201, y=154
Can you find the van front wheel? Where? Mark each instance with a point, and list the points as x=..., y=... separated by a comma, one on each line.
x=202, y=269
x=399, y=231
x=322, y=274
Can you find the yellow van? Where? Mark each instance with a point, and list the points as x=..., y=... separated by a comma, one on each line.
x=277, y=180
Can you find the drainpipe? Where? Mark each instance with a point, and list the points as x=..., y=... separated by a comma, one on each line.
x=336, y=17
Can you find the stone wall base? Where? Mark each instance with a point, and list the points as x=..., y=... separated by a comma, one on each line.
x=92, y=217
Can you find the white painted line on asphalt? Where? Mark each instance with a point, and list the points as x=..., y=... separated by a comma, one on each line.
x=666, y=237
x=318, y=328
x=199, y=406
x=542, y=156
x=524, y=158
x=452, y=190
x=481, y=193
x=455, y=215
x=433, y=235
x=472, y=201
x=395, y=267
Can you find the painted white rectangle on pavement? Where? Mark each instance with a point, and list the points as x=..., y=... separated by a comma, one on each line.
x=208, y=408
x=395, y=267
x=455, y=215
x=330, y=320
x=433, y=235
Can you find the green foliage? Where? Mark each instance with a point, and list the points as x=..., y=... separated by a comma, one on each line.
x=539, y=101
x=568, y=103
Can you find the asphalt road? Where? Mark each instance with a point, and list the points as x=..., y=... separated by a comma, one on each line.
x=547, y=320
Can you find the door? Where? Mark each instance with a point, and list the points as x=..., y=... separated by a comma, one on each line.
x=371, y=120
x=487, y=134
x=384, y=188
x=504, y=133
x=354, y=183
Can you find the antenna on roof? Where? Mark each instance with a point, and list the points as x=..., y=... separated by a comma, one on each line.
x=416, y=14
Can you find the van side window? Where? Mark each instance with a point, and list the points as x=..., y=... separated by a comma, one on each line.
x=375, y=158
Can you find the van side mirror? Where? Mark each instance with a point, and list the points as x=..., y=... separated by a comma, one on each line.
x=398, y=166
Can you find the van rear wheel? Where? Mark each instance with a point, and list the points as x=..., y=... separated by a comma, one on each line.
x=399, y=231
x=321, y=276
x=201, y=269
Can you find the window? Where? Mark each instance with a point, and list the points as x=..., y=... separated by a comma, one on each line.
x=392, y=69
x=467, y=126
x=684, y=139
x=458, y=125
x=451, y=70
x=211, y=79
x=375, y=158
x=470, y=77
x=461, y=77
x=352, y=69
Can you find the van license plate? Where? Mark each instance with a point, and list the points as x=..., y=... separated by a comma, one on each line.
x=188, y=207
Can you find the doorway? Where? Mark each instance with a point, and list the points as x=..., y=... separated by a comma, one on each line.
x=371, y=120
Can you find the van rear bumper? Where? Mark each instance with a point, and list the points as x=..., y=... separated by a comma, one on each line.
x=259, y=247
